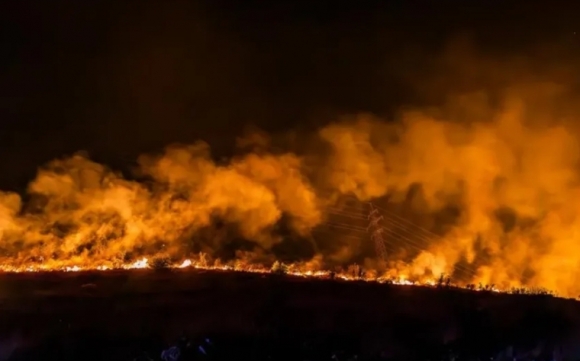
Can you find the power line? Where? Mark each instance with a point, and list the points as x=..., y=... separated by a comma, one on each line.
x=405, y=230
x=377, y=232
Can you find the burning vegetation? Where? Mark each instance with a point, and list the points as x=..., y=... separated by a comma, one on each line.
x=484, y=193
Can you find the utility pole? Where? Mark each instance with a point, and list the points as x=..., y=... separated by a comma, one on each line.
x=377, y=232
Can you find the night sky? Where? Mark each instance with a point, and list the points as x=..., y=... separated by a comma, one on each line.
x=119, y=78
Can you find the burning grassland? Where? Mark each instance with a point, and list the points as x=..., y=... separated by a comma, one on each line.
x=302, y=270
x=158, y=306
x=490, y=188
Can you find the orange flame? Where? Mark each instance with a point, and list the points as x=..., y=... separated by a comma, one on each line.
x=499, y=193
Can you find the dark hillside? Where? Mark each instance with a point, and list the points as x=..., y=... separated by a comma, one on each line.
x=115, y=314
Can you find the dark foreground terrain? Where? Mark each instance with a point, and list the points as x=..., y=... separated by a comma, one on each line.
x=120, y=315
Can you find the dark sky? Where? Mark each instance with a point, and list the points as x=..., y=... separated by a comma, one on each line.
x=118, y=78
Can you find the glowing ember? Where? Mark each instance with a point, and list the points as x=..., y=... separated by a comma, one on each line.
x=140, y=264
x=486, y=199
x=295, y=270
x=185, y=264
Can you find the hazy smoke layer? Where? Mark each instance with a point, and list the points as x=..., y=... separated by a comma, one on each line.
x=494, y=174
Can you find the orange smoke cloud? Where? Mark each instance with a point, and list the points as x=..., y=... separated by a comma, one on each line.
x=514, y=179
x=82, y=212
x=493, y=184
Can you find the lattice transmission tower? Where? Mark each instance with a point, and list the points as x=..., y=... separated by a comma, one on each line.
x=377, y=232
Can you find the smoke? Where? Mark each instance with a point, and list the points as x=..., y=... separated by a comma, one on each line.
x=514, y=181
x=491, y=174
x=80, y=210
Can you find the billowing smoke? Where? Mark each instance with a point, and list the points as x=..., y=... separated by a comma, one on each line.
x=82, y=211
x=514, y=183
x=492, y=176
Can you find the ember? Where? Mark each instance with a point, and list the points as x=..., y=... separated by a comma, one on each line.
x=294, y=270
x=511, y=226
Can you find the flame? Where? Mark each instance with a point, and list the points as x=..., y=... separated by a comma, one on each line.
x=293, y=270
x=492, y=188
x=185, y=264
x=140, y=264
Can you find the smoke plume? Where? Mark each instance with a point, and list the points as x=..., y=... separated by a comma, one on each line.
x=491, y=175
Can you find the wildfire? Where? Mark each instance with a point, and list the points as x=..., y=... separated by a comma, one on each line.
x=295, y=270
x=488, y=202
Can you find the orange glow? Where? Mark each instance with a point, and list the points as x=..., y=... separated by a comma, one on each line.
x=493, y=192
x=295, y=270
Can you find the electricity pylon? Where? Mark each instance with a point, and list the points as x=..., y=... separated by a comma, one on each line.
x=377, y=232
